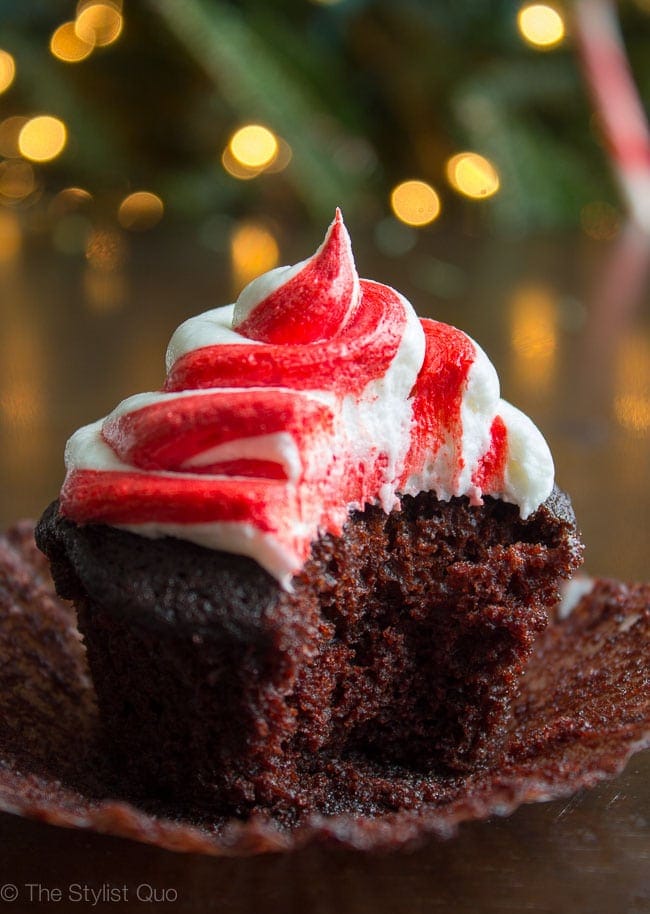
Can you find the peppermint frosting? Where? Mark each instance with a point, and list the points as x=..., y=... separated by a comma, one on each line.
x=315, y=394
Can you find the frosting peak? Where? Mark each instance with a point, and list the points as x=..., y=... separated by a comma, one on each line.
x=315, y=394
x=304, y=303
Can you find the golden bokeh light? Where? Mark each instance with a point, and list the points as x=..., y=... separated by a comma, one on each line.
x=541, y=25
x=72, y=225
x=67, y=45
x=234, y=168
x=282, y=158
x=99, y=23
x=533, y=336
x=11, y=237
x=7, y=70
x=632, y=400
x=42, y=138
x=68, y=200
x=253, y=250
x=253, y=146
x=633, y=413
x=17, y=181
x=140, y=211
x=253, y=150
x=472, y=175
x=105, y=250
x=9, y=132
x=415, y=203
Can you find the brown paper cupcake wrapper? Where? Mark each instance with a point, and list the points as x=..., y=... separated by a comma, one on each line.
x=584, y=710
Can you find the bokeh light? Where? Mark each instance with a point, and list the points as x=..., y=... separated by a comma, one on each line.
x=17, y=181
x=253, y=250
x=72, y=226
x=633, y=413
x=253, y=146
x=9, y=132
x=99, y=24
x=7, y=70
x=415, y=203
x=541, y=25
x=533, y=335
x=472, y=175
x=69, y=199
x=105, y=249
x=632, y=400
x=140, y=211
x=67, y=45
x=235, y=169
x=281, y=159
x=42, y=138
x=104, y=282
x=253, y=150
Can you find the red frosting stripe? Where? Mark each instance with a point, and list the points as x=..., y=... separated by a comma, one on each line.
x=325, y=290
x=360, y=352
x=490, y=472
x=166, y=434
x=438, y=394
x=139, y=498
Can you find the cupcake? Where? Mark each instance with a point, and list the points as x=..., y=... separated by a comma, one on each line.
x=314, y=564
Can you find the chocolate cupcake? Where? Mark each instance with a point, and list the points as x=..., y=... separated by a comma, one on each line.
x=318, y=557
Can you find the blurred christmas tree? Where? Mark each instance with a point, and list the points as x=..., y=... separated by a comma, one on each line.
x=347, y=100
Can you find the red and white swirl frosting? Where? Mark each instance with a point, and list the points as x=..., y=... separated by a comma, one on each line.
x=315, y=394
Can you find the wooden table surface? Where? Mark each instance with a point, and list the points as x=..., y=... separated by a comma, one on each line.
x=567, y=323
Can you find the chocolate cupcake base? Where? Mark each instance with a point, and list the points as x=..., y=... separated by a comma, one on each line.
x=584, y=708
x=398, y=650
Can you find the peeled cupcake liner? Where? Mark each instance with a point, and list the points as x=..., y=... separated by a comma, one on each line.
x=583, y=710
